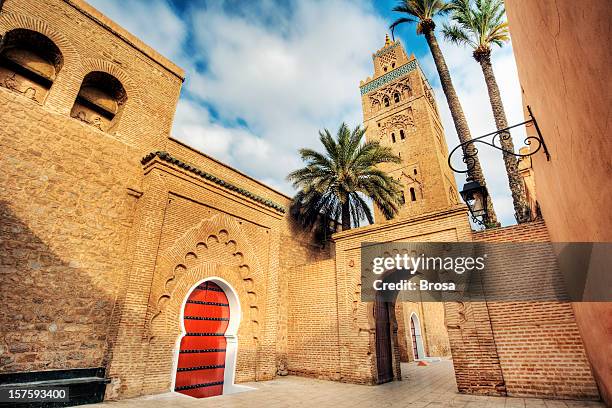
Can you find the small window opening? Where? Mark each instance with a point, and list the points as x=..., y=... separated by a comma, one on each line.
x=393, y=137
x=386, y=101
x=396, y=97
x=412, y=194
x=402, y=135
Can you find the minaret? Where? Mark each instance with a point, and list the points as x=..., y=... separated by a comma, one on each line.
x=400, y=111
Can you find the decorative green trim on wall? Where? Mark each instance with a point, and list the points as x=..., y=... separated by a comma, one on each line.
x=388, y=77
x=168, y=158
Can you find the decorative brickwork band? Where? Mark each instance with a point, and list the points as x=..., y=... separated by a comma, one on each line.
x=168, y=158
x=391, y=76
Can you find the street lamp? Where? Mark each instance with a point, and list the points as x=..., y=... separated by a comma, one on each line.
x=475, y=196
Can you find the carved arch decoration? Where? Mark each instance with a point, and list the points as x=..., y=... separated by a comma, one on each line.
x=214, y=241
x=401, y=121
x=402, y=87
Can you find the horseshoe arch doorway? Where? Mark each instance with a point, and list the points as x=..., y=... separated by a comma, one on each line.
x=205, y=363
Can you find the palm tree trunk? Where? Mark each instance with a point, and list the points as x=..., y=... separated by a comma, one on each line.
x=346, y=215
x=521, y=209
x=463, y=131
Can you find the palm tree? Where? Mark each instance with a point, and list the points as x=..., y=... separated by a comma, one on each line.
x=422, y=12
x=333, y=184
x=479, y=27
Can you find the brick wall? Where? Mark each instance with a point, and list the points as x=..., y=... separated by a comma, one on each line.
x=87, y=44
x=313, y=321
x=80, y=216
x=69, y=191
x=66, y=213
x=539, y=347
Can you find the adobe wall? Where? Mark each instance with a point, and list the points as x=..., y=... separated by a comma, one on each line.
x=563, y=62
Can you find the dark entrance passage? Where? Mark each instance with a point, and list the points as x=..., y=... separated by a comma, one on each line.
x=201, y=363
x=384, y=350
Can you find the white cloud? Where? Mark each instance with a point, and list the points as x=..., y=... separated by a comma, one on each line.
x=286, y=82
x=277, y=75
x=152, y=20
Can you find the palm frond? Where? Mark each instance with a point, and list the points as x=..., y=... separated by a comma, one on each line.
x=418, y=11
x=346, y=170
x=457, y=35
x=480, y=21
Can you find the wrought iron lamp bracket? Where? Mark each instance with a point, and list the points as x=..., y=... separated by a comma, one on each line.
x=470, y=151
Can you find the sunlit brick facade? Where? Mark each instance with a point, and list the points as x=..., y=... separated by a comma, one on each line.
x=108, y=224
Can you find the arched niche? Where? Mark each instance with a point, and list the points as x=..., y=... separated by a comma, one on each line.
x=100, y=101
x=29, y=63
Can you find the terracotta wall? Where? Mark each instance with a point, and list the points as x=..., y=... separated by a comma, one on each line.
x=563, y=58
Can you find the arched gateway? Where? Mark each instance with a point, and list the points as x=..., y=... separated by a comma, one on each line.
x=206, y=358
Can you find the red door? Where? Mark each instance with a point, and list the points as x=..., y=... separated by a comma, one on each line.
x=201, y=363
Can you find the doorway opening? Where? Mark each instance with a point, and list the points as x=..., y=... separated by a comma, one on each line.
x=418, y=351
x=384, y=348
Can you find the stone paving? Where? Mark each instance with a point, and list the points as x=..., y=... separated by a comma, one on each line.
x=430, y=386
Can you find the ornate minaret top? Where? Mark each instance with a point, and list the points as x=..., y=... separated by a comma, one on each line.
x=399, y=111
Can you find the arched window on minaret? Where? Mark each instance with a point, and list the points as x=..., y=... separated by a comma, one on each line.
x=393, y=137
x=386, y=101
x=412, y=194
x=402, y=134
x=396, y=97
x=29, y=63
x=100, y=101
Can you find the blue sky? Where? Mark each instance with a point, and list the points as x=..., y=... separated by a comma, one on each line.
x=263, y=77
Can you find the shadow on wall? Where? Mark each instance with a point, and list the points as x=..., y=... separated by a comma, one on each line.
x=54, y=313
